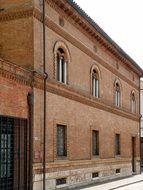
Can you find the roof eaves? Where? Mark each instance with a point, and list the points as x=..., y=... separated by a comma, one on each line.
x=98, y=28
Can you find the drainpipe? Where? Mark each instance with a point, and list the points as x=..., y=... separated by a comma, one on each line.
x=45, y=90
x=30, y=124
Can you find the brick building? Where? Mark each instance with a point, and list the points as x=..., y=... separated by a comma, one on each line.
x=86, y=128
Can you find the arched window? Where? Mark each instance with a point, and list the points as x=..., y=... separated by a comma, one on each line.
x=117, y=95
x=133, y=103
x=61, y=66
x=95, y=84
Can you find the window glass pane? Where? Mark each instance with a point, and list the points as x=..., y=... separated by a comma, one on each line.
x=95, y=85
x=61, y=140
x=117, y=95
x=61, y=66
x=95, y=142
x=63, y=69
x=58, y=67
x=117, y=144
x=133, y=104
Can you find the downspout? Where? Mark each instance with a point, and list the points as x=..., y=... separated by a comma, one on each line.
x=30, y=124
x=45, y=89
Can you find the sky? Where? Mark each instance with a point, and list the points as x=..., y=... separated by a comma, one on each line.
x=122, y=20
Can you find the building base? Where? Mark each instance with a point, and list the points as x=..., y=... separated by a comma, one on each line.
x=85, y=176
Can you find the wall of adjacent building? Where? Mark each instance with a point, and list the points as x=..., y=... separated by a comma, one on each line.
x=16, y=36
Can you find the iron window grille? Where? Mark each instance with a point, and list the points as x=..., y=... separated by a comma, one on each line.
x=13, y=154
x=61, y=141
x=95, y=143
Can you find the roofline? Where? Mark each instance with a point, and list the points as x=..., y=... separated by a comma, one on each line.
x=101, y=31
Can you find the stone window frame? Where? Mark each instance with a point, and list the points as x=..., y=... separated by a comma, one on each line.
x=94, y=128
x=67, y=56
x=96, y=68
x=117, y=82
x=64, y=123
x=133, y=98
x=117, y=133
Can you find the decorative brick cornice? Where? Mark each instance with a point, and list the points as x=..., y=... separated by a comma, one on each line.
x=11, y=71
x=38, y=80
x=66, y=165
x=32, y=78
x=16, y=14
x=38, y=15
x=82, y=47
x=84, y=98
x=69, y=13
x=21, y=75
x=64, y=8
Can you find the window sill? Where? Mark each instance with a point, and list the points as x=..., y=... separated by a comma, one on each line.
x=118, y=156
x=95, y=157
x=95, y=178
x=96, y=97
x=61, y=186
x=118, y=173
x=61, y=83
x=118, y=107
x=61, y=158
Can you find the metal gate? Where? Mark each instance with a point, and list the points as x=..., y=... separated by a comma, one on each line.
x=13, y=153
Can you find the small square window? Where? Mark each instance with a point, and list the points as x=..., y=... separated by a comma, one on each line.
x=61, y=181
x=117, y=171
x=61, y=21
x=95, y=174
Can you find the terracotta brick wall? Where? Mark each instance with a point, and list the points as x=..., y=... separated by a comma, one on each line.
x=16, y=41
x=13, y=98
x=72, y=104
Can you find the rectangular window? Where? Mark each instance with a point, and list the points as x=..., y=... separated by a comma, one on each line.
x=61, y=140
x=61, y=181
x=117, y=171
x=117, y=144
x=95, y=174
x=133, y=106
x=95, y=143
x=117, y=98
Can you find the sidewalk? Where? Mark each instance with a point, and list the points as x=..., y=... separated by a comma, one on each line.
x=117, y=184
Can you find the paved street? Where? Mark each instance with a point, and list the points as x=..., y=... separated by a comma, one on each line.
x=131, y=183
x=137, y=186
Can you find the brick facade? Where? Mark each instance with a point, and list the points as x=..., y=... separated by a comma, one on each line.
x=69, y=104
